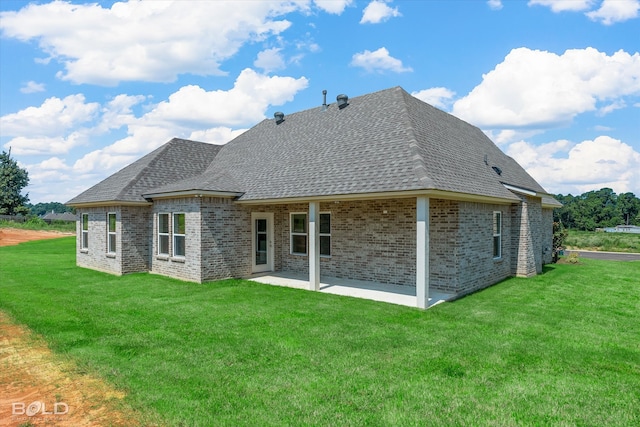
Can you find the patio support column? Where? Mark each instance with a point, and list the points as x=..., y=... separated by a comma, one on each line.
x=422, y=251
x=314, y=246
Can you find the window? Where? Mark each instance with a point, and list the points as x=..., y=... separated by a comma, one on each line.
x=178, y=234
x=299, y=233
x=85, y=231
x=111, y=233
x=325, y=234
x=163, y=234
x=497, y=234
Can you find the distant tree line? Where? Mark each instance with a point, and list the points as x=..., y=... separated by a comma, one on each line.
x=597, y=209
x=41, y=209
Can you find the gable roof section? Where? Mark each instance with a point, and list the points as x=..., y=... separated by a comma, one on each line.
x=387, y=141
x=173, y=161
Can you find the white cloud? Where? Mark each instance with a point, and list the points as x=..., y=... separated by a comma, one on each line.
x=190, y=110
x=533, y=88
x=335, y=7
x=146, y=40
x=270, y=60
x=565, y=167
x=439, y=97
x=564, y=5
x=32, y=87
x=495, y=4
x=45, y=145
x=45, y=129
x=378, y=61
x=612, y=11
x=616, y=105
x=377, y=11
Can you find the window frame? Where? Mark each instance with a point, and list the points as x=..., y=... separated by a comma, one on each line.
x=496, y=225
x=321, y=234
x=84, y=221
x=176, y=235
x=293, y=233
x=163, y=235
x=111, y=234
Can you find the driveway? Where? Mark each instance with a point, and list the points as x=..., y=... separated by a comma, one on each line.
x=609, y=256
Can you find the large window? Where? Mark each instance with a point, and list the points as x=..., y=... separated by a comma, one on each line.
x=178, y=234
x=85, y=231
x=325, y=234
x=497, y=234
x=163, y=234
x=111, y=233
x=299, y=233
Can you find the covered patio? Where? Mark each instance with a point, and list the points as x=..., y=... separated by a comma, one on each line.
x=394, y=294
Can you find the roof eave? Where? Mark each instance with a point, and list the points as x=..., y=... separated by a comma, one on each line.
x=191, y=193
x=435, y=194
x=106, y=203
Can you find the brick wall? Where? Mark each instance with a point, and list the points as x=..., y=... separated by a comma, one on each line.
x=189, y=266
x=477, y=266
x=527, y=237
x=135, y=236
x=547, y=236
x=96, y=256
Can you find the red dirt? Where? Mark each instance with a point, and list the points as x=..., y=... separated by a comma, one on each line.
x=13, y=236
x=40, y=388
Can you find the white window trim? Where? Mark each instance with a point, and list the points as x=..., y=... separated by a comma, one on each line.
x=111, y=250
x=175, y=234
x=84, y=233
x=498, y=234
x=291, y=233
x=326, y=235
x=168, y=233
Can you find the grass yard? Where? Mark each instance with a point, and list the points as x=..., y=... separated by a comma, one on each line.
x=562, y=348
x=600, y=241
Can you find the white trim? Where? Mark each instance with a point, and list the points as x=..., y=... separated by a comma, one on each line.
x=292, y=233
x=320, y=234
x=269, y=266
x=521, y=190
x=110, y=233
x=314, y=246
x=422, y=252
x=191, y=193
x=434, y=194
x=494, y=235
x=108, y=203
x=174, y=234
x=84, y=243
x=167, y=234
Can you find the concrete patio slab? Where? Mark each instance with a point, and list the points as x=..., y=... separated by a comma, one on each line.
x=394, y=294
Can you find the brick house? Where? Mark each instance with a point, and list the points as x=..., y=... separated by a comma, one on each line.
x=382, y=187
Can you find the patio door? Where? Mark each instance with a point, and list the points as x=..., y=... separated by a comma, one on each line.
x=262, y=242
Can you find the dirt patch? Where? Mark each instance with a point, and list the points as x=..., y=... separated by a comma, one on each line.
x=39, y=388
x=14, y=236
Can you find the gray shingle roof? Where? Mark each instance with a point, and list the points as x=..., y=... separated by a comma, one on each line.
x=386, y=141
x=173, y=161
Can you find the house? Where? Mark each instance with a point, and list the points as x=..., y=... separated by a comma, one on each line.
x=381, y=187
x=53, y=216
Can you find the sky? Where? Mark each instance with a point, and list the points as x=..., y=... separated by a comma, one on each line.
x=86, y=88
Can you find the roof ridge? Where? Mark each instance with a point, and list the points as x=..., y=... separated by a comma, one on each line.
x=419, y=164
x=160, y=150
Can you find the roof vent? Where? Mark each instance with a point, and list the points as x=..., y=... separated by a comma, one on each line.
x=497, y=170
x=324, y=100
x=279, y=116
x=342, y=101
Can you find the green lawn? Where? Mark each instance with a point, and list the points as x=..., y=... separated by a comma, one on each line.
x=560, y=349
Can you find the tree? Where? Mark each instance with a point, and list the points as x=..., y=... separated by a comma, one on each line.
x=12, y=180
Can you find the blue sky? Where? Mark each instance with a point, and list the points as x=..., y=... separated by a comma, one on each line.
x=88, y=87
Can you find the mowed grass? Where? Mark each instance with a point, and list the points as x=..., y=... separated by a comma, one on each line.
x=562, y=348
